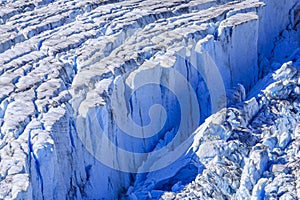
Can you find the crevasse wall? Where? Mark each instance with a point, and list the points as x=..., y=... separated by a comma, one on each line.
x=278, y=36
x=62, y=61
x=235, y=46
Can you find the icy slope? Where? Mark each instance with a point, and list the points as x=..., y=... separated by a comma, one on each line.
x=74, y=122
x=248, y=152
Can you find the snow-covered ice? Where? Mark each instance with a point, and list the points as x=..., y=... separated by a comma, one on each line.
x=128, y=99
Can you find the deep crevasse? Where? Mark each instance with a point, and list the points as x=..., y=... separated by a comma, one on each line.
x=66, y=70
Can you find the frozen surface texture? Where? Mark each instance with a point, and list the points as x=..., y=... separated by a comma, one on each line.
x=253, y=150
x=104, y=99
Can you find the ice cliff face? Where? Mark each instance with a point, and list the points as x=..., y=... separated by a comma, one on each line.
x=104, y=99
x=247, y=152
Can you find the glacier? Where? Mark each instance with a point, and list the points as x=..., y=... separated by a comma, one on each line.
x=147, y=99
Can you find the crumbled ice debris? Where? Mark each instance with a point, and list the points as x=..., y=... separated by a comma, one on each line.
x=59, y=65
x=269, y=165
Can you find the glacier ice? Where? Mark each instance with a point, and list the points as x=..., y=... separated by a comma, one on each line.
x=259, y=159
x=128, y=99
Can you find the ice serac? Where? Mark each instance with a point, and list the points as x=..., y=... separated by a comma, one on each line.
x=88, y=89
x=258, y=157
x=231, y=53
